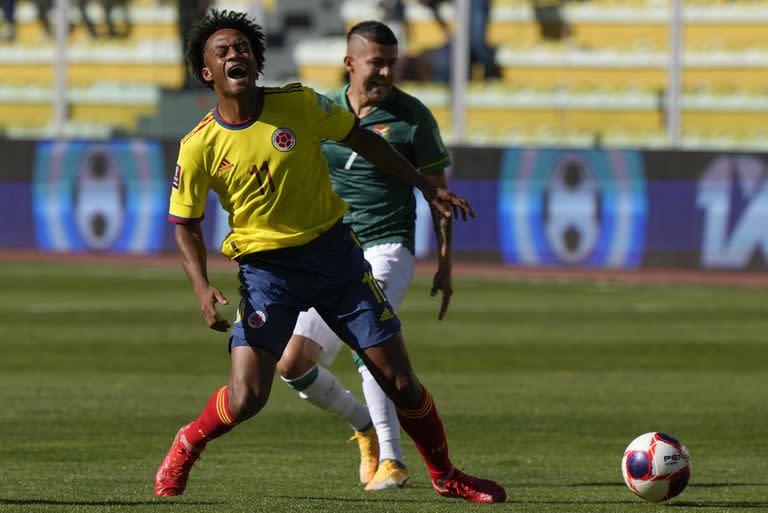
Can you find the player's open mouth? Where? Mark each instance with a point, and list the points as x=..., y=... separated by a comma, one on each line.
x=237, y=72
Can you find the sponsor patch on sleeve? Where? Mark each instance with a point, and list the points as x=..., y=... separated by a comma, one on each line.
x=177, y=177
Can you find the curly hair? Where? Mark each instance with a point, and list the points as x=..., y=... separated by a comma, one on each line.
x=211, y=23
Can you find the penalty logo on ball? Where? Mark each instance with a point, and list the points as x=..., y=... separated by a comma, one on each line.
x=283, y=139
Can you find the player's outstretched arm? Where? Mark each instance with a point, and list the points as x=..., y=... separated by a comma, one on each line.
x=384, y=157
x=189, y=240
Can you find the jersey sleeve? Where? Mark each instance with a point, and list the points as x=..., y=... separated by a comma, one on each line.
x=431, y=155
x=327, y=119
x=189, y=189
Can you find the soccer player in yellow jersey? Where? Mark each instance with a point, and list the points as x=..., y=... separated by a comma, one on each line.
x=259, y=149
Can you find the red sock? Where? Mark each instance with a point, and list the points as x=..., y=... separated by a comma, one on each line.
x=213, y=421
x=425, y=428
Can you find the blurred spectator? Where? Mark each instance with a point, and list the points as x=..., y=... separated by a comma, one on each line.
x=10, y=20
x=189, y=11
x=479, y=52
x=552, y=25
x=394, y=18
x=108, y=6
x=479, y=11
x=44, y=8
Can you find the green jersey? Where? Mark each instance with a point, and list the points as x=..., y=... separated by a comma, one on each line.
x=382, y=208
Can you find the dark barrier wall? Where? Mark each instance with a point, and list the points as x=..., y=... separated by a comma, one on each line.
x=536, y=207
x=615, y=208
x=16, y=224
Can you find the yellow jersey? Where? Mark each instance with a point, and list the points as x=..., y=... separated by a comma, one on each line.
x=268, y=171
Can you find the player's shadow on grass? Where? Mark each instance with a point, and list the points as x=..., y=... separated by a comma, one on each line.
x=56, y=502
x=390, y=498
x=605, y=484
x=595, y=484
x=423, y=500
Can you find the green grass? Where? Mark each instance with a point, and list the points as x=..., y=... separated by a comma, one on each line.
x=540, y=385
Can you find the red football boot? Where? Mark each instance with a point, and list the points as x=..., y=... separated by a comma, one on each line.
x=172, y=475
x=469, y=488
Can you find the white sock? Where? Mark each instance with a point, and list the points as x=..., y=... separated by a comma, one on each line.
x=327, y=393
x=384, y=417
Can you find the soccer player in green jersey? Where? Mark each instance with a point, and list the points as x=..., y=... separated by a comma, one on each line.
x=382, y=212
x=259, y=150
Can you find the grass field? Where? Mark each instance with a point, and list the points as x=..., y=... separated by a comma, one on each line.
x=540, y=384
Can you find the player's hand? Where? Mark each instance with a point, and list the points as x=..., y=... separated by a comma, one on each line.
x=442, y=281
x=449, y=205
x=208, y=299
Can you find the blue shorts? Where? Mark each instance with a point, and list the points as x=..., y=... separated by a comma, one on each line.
x=328, y=273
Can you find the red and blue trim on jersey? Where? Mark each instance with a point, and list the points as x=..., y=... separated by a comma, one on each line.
x=242, y=124
x=185, y=220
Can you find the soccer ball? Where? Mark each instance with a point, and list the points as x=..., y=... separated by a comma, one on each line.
x=656, y=466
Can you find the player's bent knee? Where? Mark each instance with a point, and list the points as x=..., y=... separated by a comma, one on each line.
x=406, y=391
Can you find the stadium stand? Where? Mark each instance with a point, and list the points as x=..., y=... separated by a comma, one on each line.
x=605, y=82
x=111, y=81
x=133, y=84
x=602, y=84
